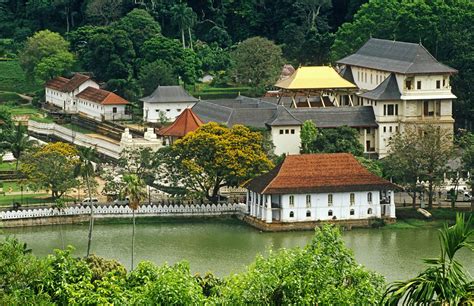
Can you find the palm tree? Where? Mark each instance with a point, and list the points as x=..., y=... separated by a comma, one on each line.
x=184, y=18
x=444, y=282
x=85, y=169
x=17, y=142
x=135, y=190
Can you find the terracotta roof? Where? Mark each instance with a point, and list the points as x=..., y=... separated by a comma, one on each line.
x=101, y=96
x=75, y=82
x=186, y=122
x=67, y=85
x=314, y=173
x=56, y=83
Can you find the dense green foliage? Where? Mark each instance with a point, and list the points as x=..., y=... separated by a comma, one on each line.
x=323, y=272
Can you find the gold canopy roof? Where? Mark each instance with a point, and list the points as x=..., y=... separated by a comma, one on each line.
x=315, y=77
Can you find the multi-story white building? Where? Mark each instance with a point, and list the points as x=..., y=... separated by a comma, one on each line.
x=319, y=187
x=403, y=83
x=167, y=101
x=82, y=95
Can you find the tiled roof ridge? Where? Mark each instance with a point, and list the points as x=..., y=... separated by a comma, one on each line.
x=276, y=174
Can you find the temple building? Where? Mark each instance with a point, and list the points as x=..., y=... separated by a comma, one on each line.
x=319, y=187
x=186, y=122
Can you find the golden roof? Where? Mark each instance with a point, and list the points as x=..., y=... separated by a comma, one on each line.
x=315, y=77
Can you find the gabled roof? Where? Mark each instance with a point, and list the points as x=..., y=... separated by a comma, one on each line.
x=395, y=56
x=315, y=77
x=387, y=90
x=346, y=73
x=314, y=173
x=101, y=96
x=331, y=117
x=186, y=122
x=67, y=85
x=283, y=117
x=165, y=94
x=56, y=83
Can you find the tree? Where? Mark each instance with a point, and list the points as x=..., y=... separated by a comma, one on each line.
x=17, y=142
x=154, y=74
x=212, y=157
x=212, y=57
x=308, y=135
x=51, y=167
x=46, y=55
x=184, y=18
x=444, y=282
x=419, y=153
x=85, y=169
x=467, y=158
x=337, y=140
x=258, y=62
x=103, y=12
x=135, y=190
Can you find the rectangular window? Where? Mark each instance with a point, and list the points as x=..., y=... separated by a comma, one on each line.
x=396, y=109
x=384, y=129
x=330, y=199
x=287, y=131
x=390, y=110
x=114, y=110
x=371, y=78
x=390, y=129
x=396, y=129
x=408, y=84
x=281, y=131
x=179, y=110
x=352, y=198
x=368, y=130
x=438, y=84
x=292, y=131
x=385, y=110
x=418, y=85
x=292, y=200
x=308, y=200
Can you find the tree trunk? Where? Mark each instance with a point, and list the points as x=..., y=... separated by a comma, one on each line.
x=472, y=195
x=16, y=165
x=430, y=195
x=67, y=19
x=190, y=38
x=182, y=38
x=91, y=218
x=133, y=237
x=414, y=200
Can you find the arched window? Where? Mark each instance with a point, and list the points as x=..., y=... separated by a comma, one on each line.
x=308, y=200
x=308, y=213
x=369, y=211
x=352, y=212
x=292, y=200
x=292, y=214
x=330, y=199
x=352, y=198
x=330, y=213
x=369, y=197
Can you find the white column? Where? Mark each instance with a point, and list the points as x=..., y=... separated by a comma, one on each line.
x=252, y=204
x=392, y=204
x=365, y=139
x=262, y=208
x=269, y=208
x=249, y=208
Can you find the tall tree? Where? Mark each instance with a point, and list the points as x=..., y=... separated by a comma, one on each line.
x=46, y=55
x=184, y=18
x=445, y=281
x=135, y=190
x=212, y=157
x=258, y=62
x=17, y=142
x=103, y=12
x=156, y=73
x=85, y=169
x=308, y=135
x=337, y=140
x=419, y=153
x=467, y=158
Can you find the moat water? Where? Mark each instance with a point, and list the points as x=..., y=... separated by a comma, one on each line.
x=227, y=246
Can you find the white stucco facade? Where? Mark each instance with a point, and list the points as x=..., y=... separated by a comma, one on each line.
x=286, y=139
x=101, y=112
x=289, y=208
x=66, y=100
x=151, y=111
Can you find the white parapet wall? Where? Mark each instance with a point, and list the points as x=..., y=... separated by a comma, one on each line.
x=113, y=211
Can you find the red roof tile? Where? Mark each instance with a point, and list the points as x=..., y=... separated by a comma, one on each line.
x=56, y=83
x=186, y=122
x=101, y=96
x=332, y=172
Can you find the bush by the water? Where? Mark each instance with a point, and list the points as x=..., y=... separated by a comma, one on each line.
x=324, y=272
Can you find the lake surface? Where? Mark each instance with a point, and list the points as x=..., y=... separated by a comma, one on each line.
x=226, y=246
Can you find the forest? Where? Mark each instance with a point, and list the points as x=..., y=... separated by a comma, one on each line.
x=133, y=45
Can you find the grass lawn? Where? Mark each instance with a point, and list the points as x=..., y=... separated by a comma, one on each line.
x=409, y=218
x=78, y=129
x=7, y=166
x=206, y=91
x=10, y=97
x=12, y=78
x=37, y=198
x=24, y=110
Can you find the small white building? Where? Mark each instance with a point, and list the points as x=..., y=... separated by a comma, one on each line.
x=319, y=187
x=62, y=91
x=169, y=101
x=101, y=104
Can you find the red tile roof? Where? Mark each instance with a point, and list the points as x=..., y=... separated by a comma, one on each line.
x=57, y=83
x=186, y=122
x=67, y=85
x=313, y=173
x=101, y=96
